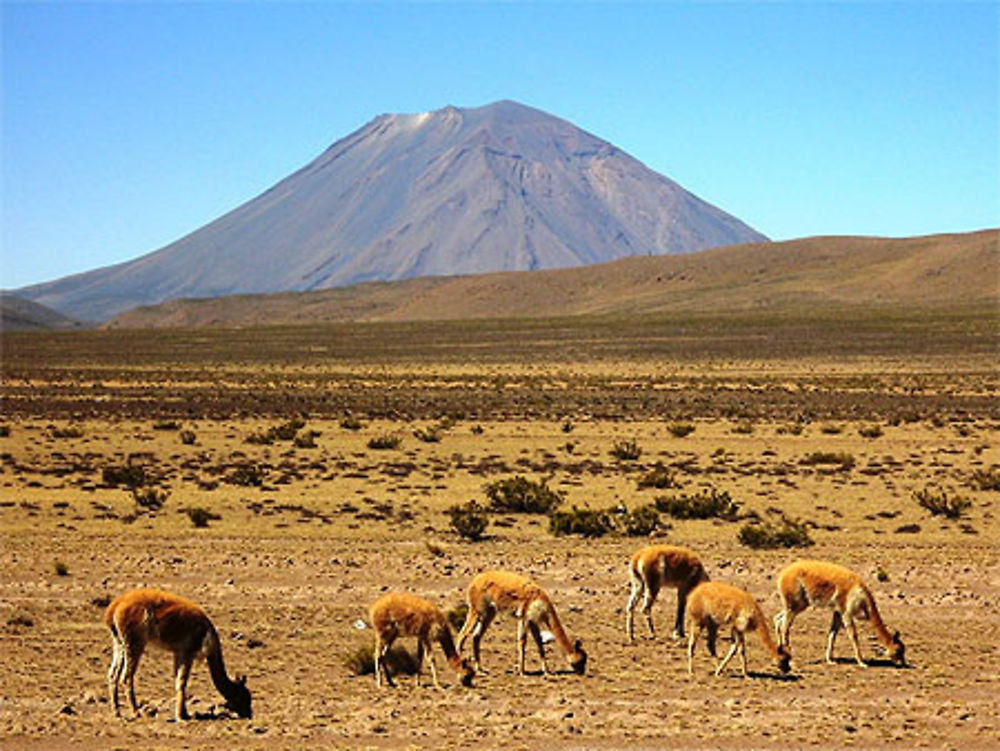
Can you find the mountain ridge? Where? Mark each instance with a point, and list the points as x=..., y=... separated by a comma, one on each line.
x=454, y=191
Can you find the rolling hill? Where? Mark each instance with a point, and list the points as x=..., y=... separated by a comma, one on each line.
x=923, y=272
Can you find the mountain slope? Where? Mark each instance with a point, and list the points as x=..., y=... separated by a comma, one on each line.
x=456, y=191
x=923, y=272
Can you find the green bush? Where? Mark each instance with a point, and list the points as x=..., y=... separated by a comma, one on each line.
x=577, y=521
x=985, y=479
x=61, y=568
x=306, y=439
x=4, y=431
x=427, y=435
x=844, y=459
x=70, y=431
x=626, y=451
x=188, y=437
x=469, y=520
x=360, y=660
x=680, y=429
x=128, y=475
x=743, y=427
x=246, y=475
x=519, y=495
x=786, y=533
x=939, y=503
x=384, y=442
x=705, y=504
x=457, y=615
x=200, y=517
x=288, y=430
x=659, y=477
x=640, y=522
x=151, y=499
x=870, y=431
x=351, y=423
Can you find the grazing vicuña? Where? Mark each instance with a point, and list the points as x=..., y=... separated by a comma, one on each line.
x=713, y=605
x=149, y=616
x=493, y=592
x=806, y=583
x=654, y=567
x=401, y=614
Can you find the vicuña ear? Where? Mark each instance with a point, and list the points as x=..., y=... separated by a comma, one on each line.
x=577, y=645
x=242, y=680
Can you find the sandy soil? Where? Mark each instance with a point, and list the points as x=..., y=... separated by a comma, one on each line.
x=290, y=566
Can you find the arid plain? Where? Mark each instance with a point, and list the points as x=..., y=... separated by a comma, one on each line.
x=840, y=421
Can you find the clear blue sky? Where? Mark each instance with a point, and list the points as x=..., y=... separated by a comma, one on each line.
x=126, y=126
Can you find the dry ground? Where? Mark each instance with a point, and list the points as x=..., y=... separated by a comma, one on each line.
x=291, y=564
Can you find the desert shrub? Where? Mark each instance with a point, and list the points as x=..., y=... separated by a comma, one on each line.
x=200, y=517
x=457, y=615
x=360, y=660
x=246, y=475
x=881, y=574
x=427, y=435
x=985, y=479
x=520, y=495
x=188, y=437
x=705, y=504
x=469, y=520
x=4, y=431
x=786, y=533
x=477, y=430
x=166, y=425
x=384, y=442
x=61, y=568
x=151, y=499
x=659, y=477
x=351, y=423
x=567, y=426
x=580, y=521
x=70, y=431
x=626, y=451
x=680, y=429
x=870, y=431
x=939, y=503
x=288, y=430
x=794, y=428
x=127, y=475
x=640, y=521
x=743, y=427
x=844, y=459
x=831, y=429
x=260, y=438
x=306, y=439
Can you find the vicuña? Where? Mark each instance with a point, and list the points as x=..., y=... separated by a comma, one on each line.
x=806, y=583
x=714, y=605
x=149, y=616
x=493, y=592
x=657, y=566
x=402, y=614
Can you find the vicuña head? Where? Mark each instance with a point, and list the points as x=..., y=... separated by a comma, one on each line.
x=714, y=605
x=805, y=583
x=144, y=617
x=493, y=592
x=402, y=614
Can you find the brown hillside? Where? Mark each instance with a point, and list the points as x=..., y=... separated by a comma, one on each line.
x=932, y=271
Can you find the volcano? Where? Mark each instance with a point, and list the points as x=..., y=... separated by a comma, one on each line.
x=503, y=187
